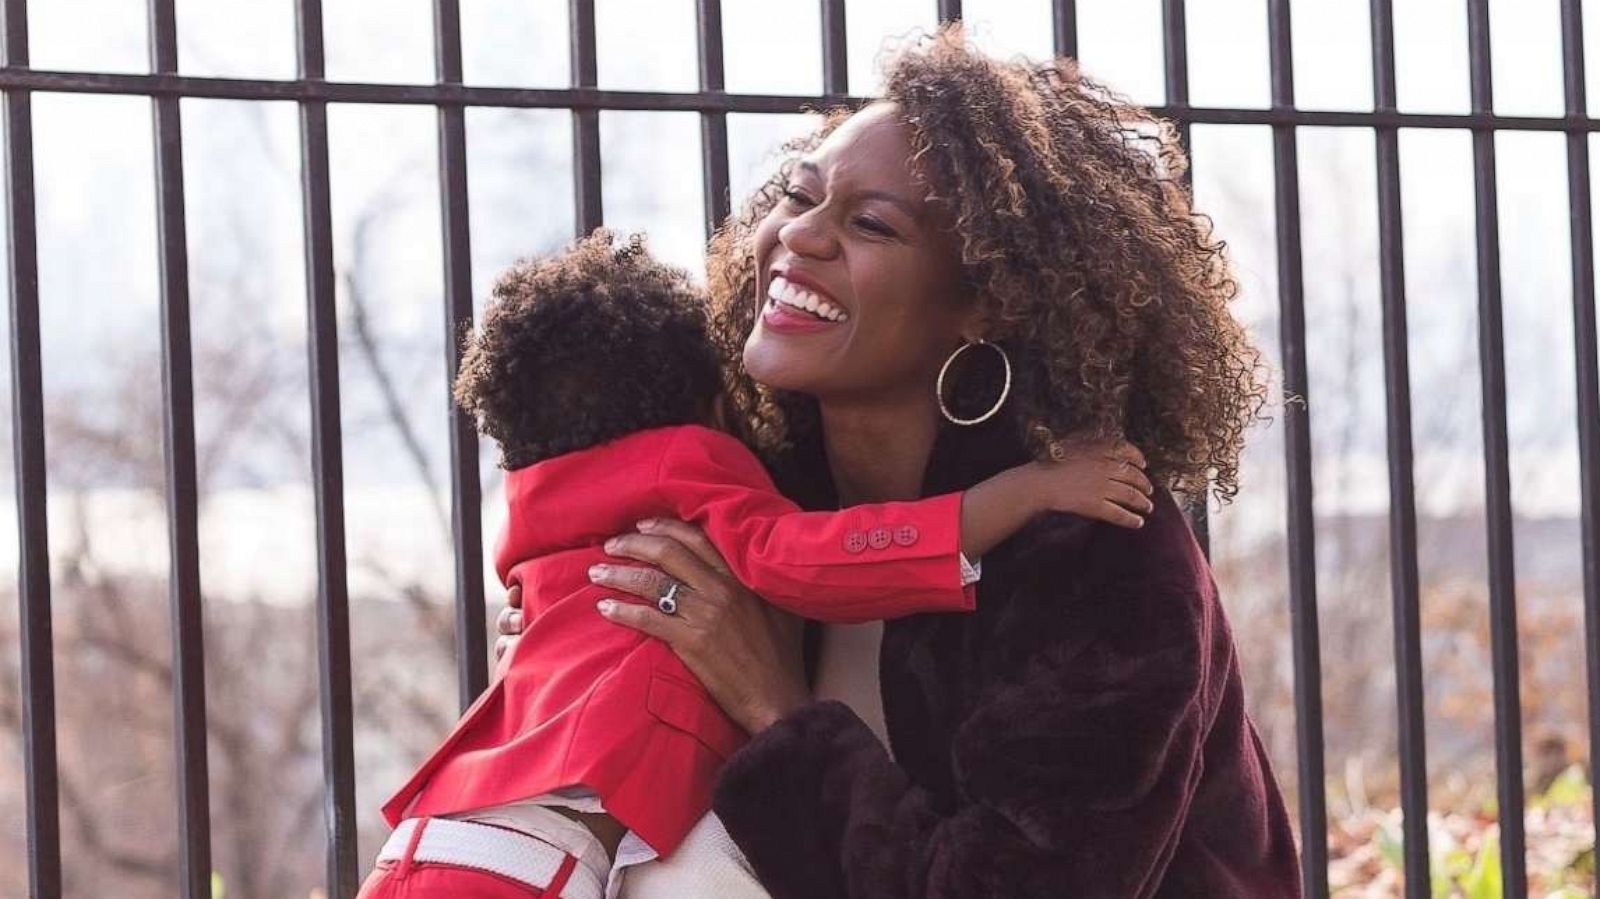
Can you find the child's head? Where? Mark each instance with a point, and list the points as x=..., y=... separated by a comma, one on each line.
x=590, y=344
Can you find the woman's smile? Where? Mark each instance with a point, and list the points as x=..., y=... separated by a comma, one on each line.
x=797, y=307
x=781, y=318
x=794, y=291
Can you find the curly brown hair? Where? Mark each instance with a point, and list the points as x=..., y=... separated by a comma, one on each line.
x=1078, y=239
x=590, y=344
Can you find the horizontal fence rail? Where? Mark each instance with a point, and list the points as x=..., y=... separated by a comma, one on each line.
x=584, y=98
x=166, y=87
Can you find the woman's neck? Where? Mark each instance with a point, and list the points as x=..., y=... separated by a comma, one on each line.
x=878, y=454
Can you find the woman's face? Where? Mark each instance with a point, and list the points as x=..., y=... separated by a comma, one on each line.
x=857, y=241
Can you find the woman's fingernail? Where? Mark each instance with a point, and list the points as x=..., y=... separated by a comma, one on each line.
x=596, y=572
x=605, y=606
x=611, y=545
x=646, y=524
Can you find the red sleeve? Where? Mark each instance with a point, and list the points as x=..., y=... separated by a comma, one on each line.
x=865, y=563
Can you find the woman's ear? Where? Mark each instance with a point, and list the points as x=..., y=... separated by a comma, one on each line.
x=975, y=326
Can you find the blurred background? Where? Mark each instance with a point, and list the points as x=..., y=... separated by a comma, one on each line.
x=98, y=283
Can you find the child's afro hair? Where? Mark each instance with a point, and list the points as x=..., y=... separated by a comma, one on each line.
x=585, y=346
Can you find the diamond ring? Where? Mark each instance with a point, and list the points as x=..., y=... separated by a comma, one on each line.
x=668, y=602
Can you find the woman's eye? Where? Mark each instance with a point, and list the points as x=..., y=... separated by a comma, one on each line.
x=795, y=196
x=874, y=226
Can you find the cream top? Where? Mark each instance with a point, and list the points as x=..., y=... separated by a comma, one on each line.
x=847, y=664
x=847, y=670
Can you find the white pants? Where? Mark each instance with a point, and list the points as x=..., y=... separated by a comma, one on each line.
x=706, y=865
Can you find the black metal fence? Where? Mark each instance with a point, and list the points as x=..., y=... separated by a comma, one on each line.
x=312, y=92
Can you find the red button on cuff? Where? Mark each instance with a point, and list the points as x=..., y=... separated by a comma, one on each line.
x=879, y=538
x=906, y=534
x=855, y=542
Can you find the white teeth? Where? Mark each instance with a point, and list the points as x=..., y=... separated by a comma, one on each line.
x=782, y=290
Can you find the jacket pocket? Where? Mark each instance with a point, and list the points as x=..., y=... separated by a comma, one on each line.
x=689, y=708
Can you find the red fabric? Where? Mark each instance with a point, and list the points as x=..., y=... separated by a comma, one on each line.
x=563, y=874
x=432, y=880
x=585, y=701
x=410, y=857
x=407, y=878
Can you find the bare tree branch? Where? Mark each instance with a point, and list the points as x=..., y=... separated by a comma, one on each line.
x=366, y=342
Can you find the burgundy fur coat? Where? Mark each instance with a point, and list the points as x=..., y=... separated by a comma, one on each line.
x=1082, y=734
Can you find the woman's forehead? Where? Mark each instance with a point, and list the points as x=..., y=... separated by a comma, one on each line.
x=872, y=146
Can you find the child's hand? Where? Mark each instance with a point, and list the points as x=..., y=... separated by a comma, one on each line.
x=1103, y=480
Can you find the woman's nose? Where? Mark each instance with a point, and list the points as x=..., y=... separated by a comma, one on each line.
x=808, y=235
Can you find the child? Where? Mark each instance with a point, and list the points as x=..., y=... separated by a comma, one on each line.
x=595, y=748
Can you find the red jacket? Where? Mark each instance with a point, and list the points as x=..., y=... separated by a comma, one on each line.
x=585, y=701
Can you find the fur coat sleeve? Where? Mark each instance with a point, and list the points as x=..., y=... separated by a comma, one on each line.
x=1101, y=749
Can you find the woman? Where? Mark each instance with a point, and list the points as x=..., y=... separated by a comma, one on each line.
x=1083, y=732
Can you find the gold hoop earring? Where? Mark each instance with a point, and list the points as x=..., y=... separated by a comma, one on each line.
x=1005, y=391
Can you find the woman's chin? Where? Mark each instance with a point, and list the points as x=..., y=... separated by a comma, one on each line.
x=780, y=367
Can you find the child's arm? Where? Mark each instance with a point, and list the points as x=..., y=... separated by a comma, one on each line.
x=1103, y=481
x=868, y=562
x=865, y=563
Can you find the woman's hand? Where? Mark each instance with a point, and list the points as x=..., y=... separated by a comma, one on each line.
x=745, y=652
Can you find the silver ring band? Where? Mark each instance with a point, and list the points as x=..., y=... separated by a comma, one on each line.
x=668, y=603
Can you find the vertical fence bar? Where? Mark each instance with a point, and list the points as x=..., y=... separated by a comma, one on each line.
x=713, y=125
x=1175, y=66
x=1497, y=468
x=949, y=11
x=590, y=212
x=333, y=611
x=1588, y=366
x=1175, y=56
x=1405, y=590
x=27, y=429
x=835, y=58
x=1297, y=451
x=177, y=381
x=466, y=500
x=1064, y=23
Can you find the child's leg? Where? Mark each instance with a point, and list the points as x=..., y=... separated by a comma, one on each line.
x=706, y=863
x=432, y=881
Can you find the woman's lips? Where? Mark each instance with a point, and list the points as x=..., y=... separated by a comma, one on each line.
x=788, y=320
x=795, y=307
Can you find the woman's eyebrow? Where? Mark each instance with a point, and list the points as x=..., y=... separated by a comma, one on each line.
x=905, y=205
